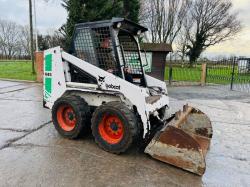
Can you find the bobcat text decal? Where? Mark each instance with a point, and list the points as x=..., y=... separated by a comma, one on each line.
x=108, y=86
x=111, y=86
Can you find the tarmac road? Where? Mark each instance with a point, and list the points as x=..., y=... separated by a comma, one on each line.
x=33, y=154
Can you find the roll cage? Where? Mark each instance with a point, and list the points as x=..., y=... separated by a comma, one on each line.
x=111, y=45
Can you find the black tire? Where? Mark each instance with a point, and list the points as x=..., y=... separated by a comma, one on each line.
x=129, y=123
x=81, y=115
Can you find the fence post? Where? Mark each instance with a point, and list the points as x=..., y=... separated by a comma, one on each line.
x=203, y=74
x=170, y=76
x=232, y=77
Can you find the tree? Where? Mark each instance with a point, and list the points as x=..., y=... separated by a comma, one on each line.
x=14, y=40
x=182, y=44
x=51, y=39
x=96, y=10
x=75, y=9
x=131, y=10
x=182, y=40
x=9, y=37
x=25, y=39
x=210, y=22
x=164, y=18
x=43, y=44
x=88, y=10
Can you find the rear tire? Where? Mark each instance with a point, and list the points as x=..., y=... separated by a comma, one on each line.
x=70, y=115
x=114, y=127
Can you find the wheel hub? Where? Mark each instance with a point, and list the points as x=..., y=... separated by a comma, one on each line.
x=66, y=117
x=71, y=116
x=111, y=129
x=114, y=126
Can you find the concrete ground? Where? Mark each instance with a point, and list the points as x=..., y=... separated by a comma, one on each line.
x=33, y=154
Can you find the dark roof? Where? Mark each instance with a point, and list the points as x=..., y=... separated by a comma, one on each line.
x=125, y=24
x=128, y=22
x=156, y=47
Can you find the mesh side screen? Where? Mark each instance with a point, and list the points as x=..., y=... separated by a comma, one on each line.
x=94, y=45
x=84, y=47
x=131, y=54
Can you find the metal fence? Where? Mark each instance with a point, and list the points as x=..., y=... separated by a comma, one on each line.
x=232, y=73
x=181, y=73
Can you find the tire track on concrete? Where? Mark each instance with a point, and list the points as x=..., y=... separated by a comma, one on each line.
x=16, y=99
x=20, y=89
x=12, y=86
x=14, y=130
x=11, y=141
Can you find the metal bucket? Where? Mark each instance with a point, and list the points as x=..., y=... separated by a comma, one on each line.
x=184, y=141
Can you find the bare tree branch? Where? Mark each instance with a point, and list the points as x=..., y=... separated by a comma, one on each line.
x=14, y=39
x=164, y=18
x=212, y=22
x=9, y=38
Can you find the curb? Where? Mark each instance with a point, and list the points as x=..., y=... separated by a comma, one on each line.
x=16, y=80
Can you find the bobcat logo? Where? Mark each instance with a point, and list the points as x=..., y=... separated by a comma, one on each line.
x=101, y=79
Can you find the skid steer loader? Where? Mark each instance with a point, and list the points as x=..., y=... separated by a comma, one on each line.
x=102, y=84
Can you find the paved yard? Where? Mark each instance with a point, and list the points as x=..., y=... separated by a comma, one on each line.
x=33, y=154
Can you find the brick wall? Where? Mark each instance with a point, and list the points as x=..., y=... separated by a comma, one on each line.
x=39, y=59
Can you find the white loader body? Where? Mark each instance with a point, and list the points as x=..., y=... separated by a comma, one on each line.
x=57, y=82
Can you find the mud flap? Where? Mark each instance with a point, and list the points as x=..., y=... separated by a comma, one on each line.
x=184, y=141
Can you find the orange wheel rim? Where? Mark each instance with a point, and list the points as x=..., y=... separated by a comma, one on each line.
x=66, y=117
x=111, y=129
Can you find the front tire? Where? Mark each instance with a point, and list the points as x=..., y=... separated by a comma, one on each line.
x=70, y=116
x=114, y=127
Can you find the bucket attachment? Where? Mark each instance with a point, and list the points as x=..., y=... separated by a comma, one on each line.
x=184, y=141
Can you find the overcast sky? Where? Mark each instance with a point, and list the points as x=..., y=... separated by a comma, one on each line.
x=52, y=15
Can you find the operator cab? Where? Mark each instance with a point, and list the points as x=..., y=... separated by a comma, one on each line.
x=111, y=45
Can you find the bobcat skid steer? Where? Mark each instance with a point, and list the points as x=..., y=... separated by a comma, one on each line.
x=102, y=84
